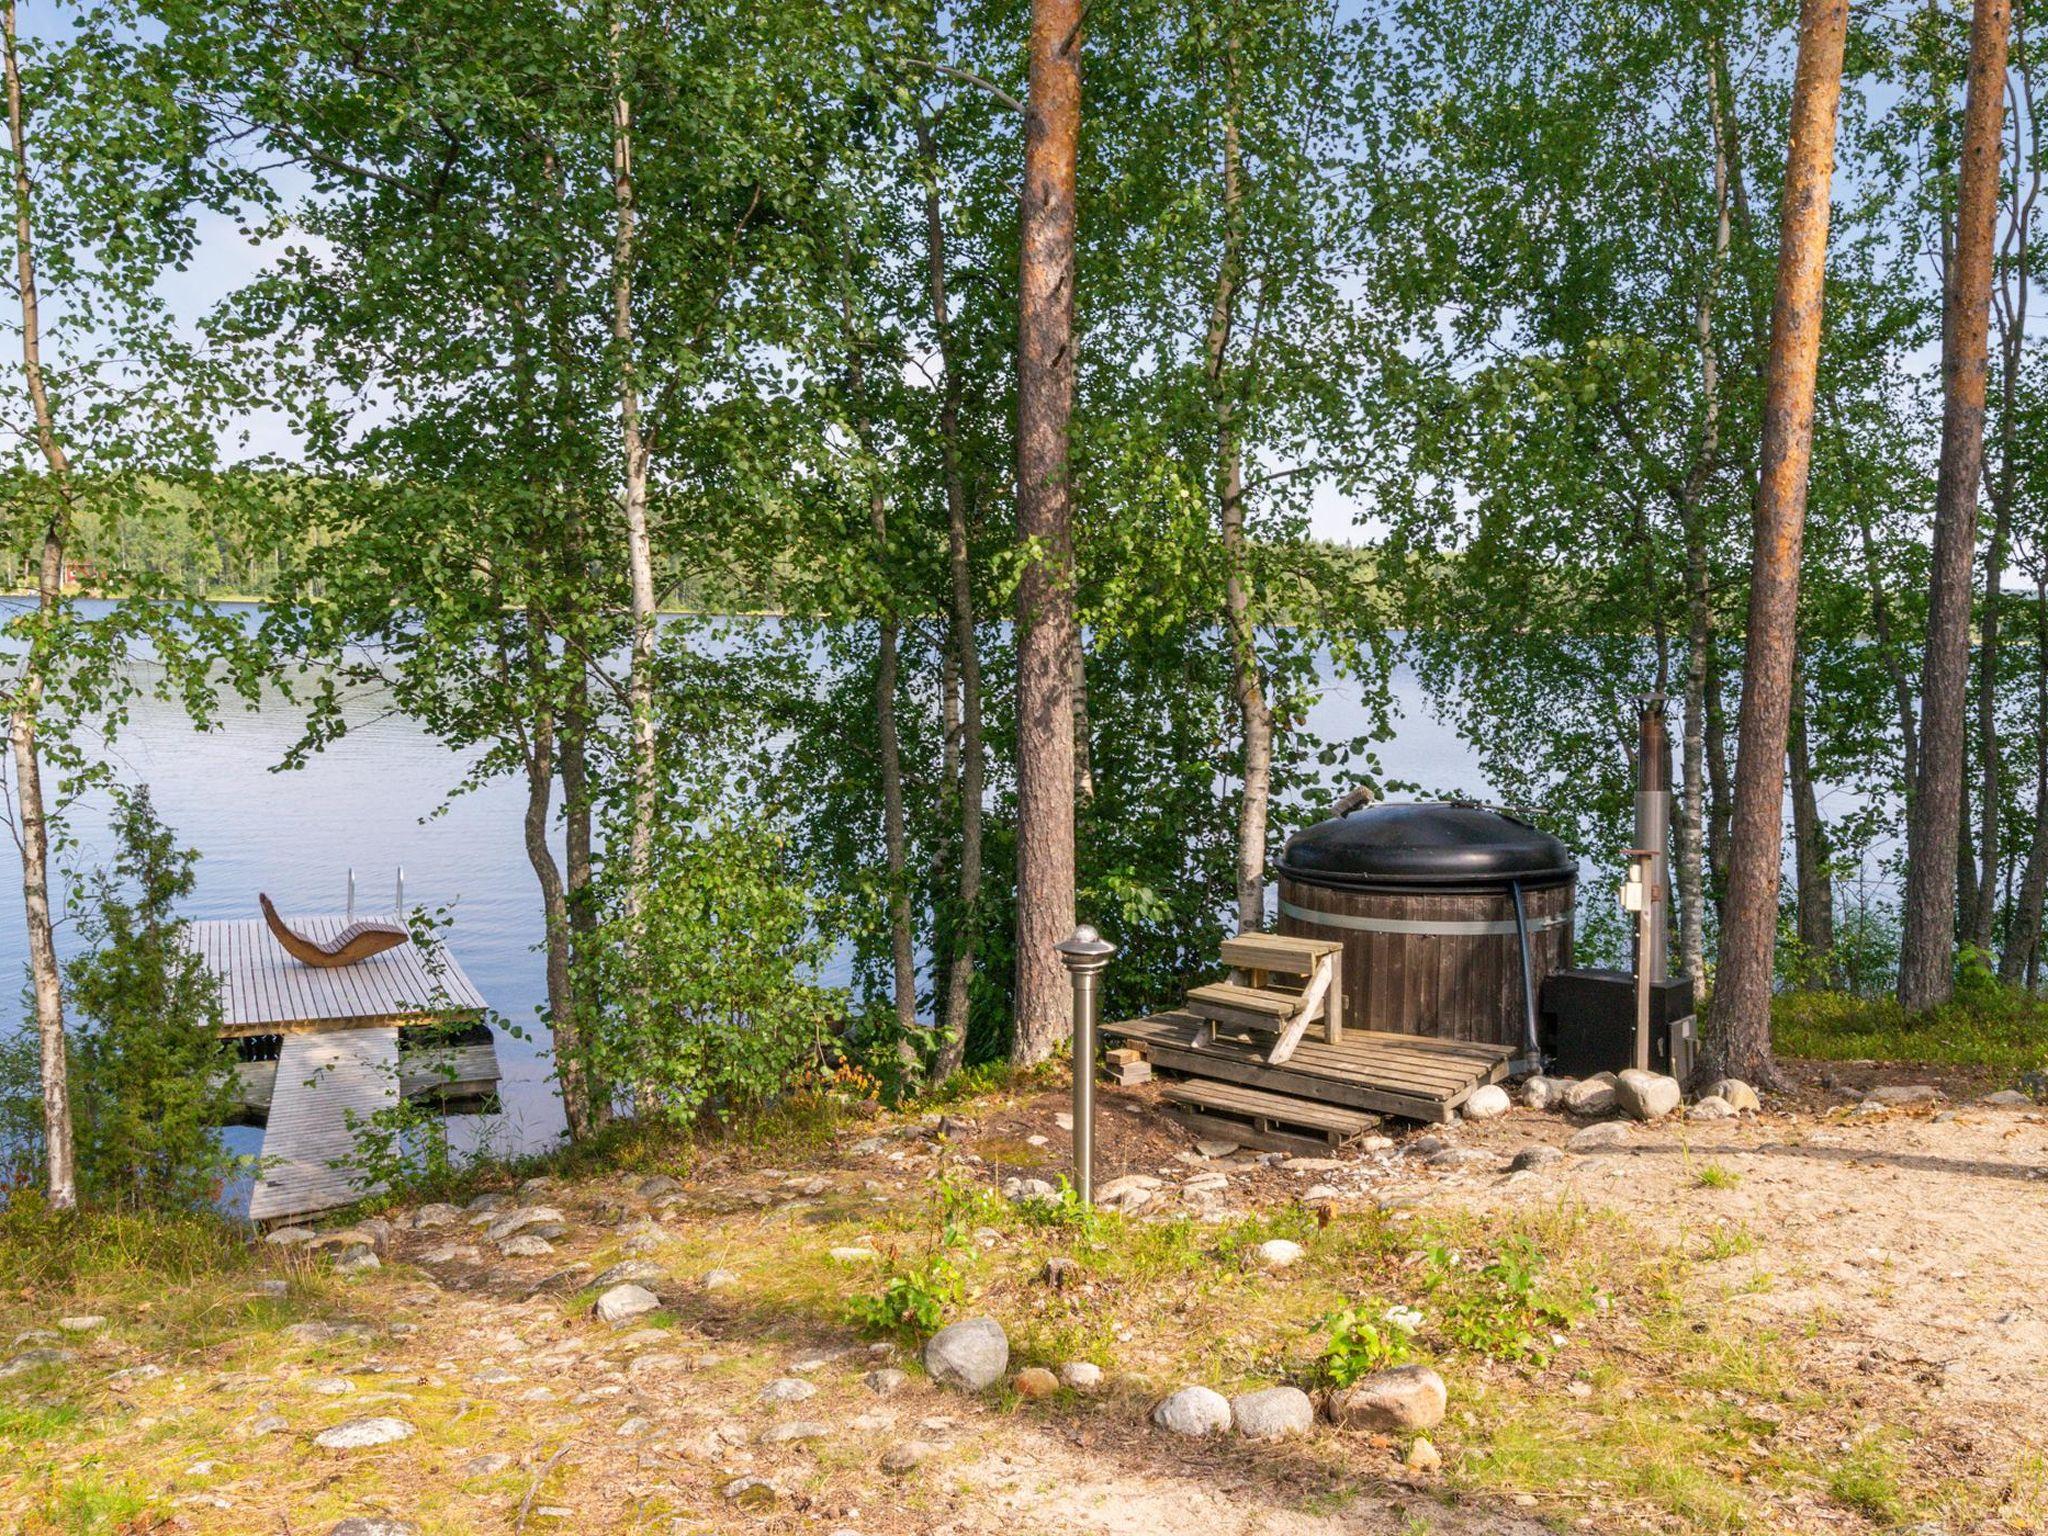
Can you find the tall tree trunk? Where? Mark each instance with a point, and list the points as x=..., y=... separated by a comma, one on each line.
x=539, y=758
x=639, y=546
x=1254, y=716
x=1926, y=964
x=1813, y=883
x=888, y=637
x=578, y=896
x=25, y=714
x=2024, y=942
x=1720, y=791
x=1047, y=635
x=966, y=648
x=1739, y=1035
x=1699, y=613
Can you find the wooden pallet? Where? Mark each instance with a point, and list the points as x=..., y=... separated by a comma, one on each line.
x=1413, y=1076
x=1273, y=1121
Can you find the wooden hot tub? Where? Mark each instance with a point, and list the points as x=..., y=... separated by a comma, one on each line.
x=1450, y=916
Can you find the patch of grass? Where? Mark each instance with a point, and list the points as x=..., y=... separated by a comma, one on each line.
x=85, y=1503
x=1726, y=1240
x=72, y=1251
x=1867, y=1481
x=1715, y=1176
x=2005, y=1030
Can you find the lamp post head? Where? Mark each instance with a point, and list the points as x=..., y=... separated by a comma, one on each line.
x=1086, y=950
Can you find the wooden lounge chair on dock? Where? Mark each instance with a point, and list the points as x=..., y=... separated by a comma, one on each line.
x=358, y=941
x=1279, y=986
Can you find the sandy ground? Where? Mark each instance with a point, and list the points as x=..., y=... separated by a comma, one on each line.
x=1903, y=1255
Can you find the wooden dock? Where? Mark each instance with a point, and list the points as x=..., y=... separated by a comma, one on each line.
x=320, y=1051
x=1412, y=1076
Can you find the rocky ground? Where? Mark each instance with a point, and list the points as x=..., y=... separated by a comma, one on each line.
x=1824, y=1317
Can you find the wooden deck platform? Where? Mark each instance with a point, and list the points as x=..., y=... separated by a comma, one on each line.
x=1412, y=1076
x=264, y=991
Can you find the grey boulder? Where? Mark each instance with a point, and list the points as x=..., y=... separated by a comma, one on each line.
x=970, y=1356
x=1193, y=1411
x=1739, y=1095
x=1646, y=1095
x=1273, y=1414
x=1592, y=1096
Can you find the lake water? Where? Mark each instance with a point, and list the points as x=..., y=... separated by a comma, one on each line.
x=378, y=800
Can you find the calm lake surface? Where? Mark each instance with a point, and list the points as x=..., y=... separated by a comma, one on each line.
x=378, y=800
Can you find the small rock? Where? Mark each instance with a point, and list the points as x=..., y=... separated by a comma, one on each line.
x=1081, y=1375
x=720, y=1280
x=1595, y=1138
x=1423, y=1146
x=1317, y=1192
x=885, y=1382
x=1536, y=1155
x=1739, y=1095
x=439, y=1214
x=655, y=1185
x=1487, y=1103
x=1460, y=1159
x=361, y=1434
x=1904, y=1093
x=851, y=1255
x=971, y=1356
x=265, y=1424
x=1712, y=1107
x=786, y=1389
x=1018, y=1189
x=490, y=1464
x=1034, y=1381
x=1193, y=1411
x=1647, y=1095
x=1273, y=1414
x=1422, y=1456
x=630, y=1272
x=907, y=1456
x=289, y=1237
x=1407, y=1397
x=31, y=1359
x=360, y=1259
x=752, y=1493
x=1215, y=1149
x=525, y=1245
x=85, y=1322
x=1591, y=1096
x=373, y=1525
x=1542, y=1092
x=2007, y=1098
x=1279, y=1253
x=623, y=1303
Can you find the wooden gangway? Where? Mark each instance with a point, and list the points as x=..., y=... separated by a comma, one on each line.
x=328, y=1085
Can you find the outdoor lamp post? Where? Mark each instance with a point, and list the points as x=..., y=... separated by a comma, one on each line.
x=1085, y=954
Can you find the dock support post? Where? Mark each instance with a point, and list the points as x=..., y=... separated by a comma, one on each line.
x=1086, y=954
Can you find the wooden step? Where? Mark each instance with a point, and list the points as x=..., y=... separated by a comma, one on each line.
x=1225, y=1002
x=1276, y=952
x=1271, y=1120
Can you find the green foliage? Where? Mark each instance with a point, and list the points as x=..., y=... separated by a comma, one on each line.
x=1360, y=1344
x=1502, y=1309
x=1715, y=1176
x=2002, y=1028
x=151, y=1082
x=721, y=1009
x=914, y=1298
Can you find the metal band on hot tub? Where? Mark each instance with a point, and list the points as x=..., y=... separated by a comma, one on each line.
x=1417, y=925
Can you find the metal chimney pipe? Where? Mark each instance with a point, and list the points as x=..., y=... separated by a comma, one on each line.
x=1653, y=833
x=1085, y=955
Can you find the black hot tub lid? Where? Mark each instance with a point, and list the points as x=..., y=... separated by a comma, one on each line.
x=1425, y=845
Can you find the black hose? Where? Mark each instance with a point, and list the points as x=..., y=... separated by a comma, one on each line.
x=1532, y=1049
